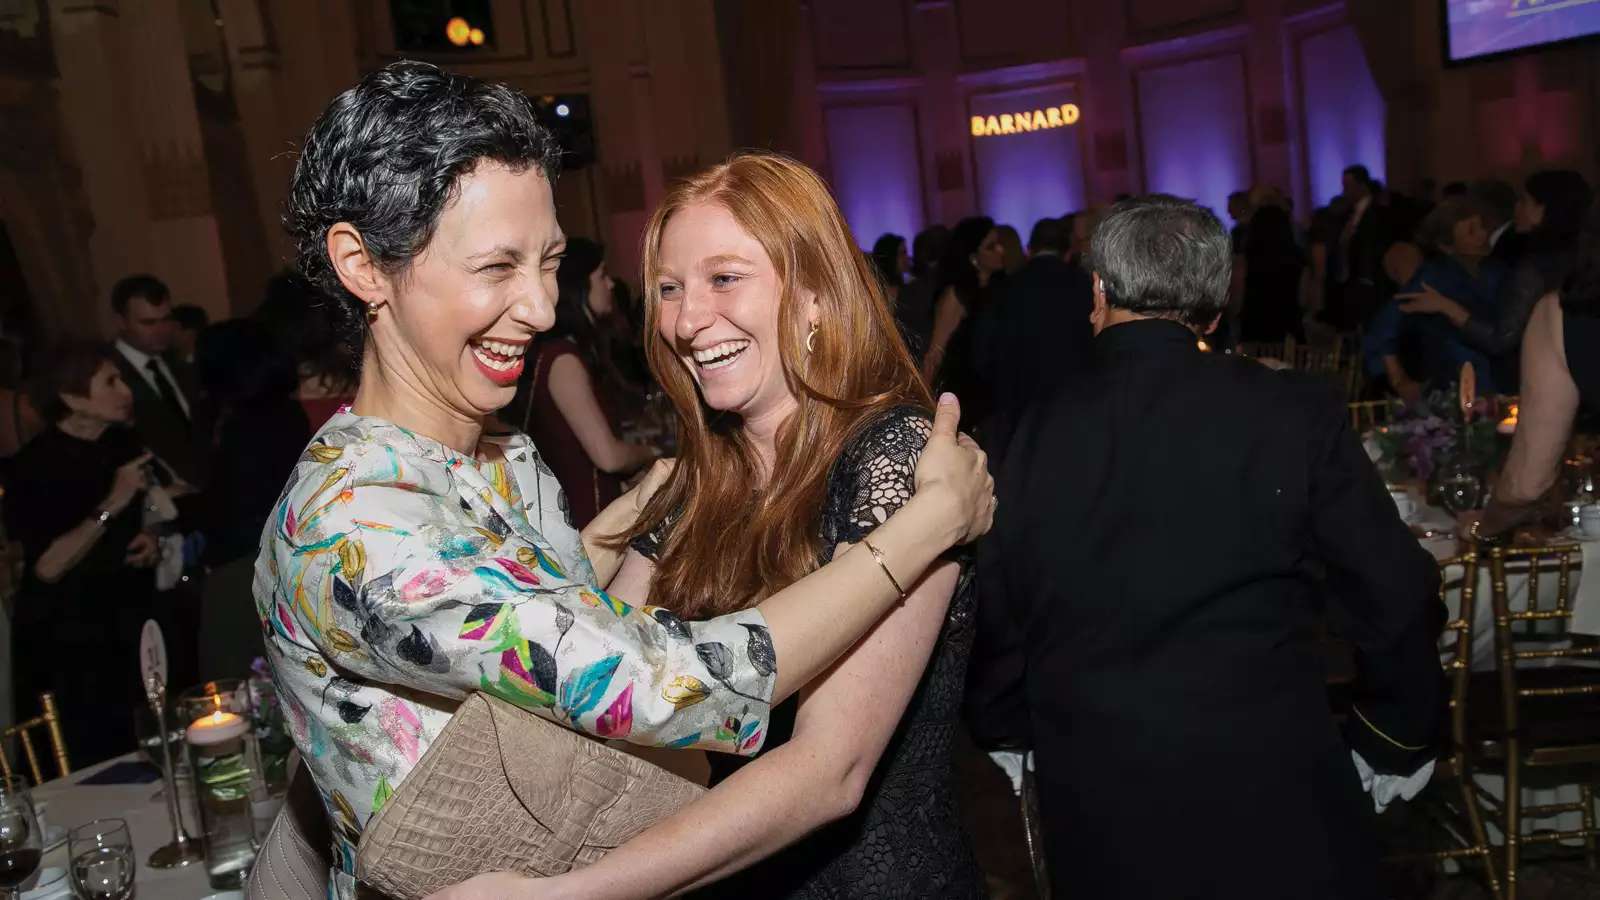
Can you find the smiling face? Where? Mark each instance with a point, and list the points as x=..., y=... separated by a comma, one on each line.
x=453, y=328
x=719, y=311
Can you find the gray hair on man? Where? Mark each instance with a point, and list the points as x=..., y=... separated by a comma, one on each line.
x=1164, y=257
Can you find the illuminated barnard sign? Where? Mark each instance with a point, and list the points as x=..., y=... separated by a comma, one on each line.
x=1029, y=120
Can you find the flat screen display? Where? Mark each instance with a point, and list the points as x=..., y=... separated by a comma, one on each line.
x=1479, y=28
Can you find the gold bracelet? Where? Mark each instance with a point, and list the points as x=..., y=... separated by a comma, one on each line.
x=878, y=555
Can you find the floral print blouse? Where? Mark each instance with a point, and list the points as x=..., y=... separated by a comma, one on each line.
x=396, y=576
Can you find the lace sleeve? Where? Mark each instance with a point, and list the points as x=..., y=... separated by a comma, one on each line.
x=649, y=544
x=875, y=477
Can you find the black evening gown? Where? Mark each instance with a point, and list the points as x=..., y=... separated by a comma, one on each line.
x=905, y=839
x=78, y=637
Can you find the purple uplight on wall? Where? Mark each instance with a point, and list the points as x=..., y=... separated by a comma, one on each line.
x=1343, y=110
x=1194, y=129
x=877, y=175
x=1026, y=175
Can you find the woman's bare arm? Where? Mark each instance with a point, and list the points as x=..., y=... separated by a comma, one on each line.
x=573, y=391
x=845, y=721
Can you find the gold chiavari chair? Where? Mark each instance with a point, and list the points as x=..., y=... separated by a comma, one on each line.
x=1324, y=360
x=1366, y=415
x=1280, y=350
x=1549, y=714
x=50, y=721
x=1463, y=827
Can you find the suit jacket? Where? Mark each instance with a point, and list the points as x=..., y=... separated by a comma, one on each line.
x=1367, y=285
x=180, y=442
x=1033, y=337
x=1509, y=249
x=1174, y=529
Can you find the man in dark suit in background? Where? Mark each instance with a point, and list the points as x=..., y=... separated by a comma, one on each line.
x=165, y=401
x=1498, y=202
x=1034, y=337
x=1037, y=333
x=1363, y=240
x=1177, y=525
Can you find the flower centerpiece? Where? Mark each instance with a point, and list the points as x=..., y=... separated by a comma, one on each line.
x=1425, y=435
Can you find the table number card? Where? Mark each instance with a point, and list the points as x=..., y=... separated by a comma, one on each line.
x=152, y=657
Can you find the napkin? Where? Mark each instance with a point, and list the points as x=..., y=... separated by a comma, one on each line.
x=1586, y=606
x=124, y=772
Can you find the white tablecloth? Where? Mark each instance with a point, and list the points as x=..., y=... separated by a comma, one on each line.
x=69, y=804
x=1586, y=620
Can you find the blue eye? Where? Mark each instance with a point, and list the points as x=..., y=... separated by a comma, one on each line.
x=723, y=280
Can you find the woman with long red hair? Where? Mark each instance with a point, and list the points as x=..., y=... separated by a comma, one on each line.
x=800, y=416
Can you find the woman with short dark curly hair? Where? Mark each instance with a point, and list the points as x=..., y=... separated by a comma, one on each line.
x=412, y=558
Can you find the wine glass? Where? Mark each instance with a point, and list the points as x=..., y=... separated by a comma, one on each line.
x=21, y=843
x=102, y=860
x=1460, y=488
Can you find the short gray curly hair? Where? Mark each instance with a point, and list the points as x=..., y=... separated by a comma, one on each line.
x=1163, y=256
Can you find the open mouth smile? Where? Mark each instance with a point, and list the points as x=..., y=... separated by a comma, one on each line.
x=720, y=356
x=501, y=361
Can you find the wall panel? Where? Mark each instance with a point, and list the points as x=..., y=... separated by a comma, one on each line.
x=1194, y=128
x=875, y=163
x=1002, y=32
x=850, y=34
x=1026, y=176
x=1169, y=15
x=1341, y=111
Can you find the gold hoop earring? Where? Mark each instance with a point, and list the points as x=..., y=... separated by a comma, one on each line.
x=810, y=338
x=372, y=313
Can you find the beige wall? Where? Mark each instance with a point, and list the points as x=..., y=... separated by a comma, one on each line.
x=148, y=172
x=177, y=131
x=1502, y=117
x=129, y=115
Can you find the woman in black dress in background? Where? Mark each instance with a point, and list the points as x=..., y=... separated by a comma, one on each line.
x=571, y=389
x=1560, y=379
x=74, y=503
x=1273, y=263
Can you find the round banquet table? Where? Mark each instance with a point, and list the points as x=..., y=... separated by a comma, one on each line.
x=67, y=803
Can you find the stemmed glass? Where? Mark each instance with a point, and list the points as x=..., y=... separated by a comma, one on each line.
x=21, y=844
x=102, y=860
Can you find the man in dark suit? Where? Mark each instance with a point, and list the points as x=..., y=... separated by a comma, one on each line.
x=165, y=402
x=1497, y=202
x=1037, y=333
x=1034, y=337
x=1363, y=240
x=1177, y=524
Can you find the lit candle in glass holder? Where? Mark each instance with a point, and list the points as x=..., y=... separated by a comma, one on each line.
x=1508, y=425
x=220, y=741
x=218, y=727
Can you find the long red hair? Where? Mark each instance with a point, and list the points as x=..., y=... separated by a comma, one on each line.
x=729, y=545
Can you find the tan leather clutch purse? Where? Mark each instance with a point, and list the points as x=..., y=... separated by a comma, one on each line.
x=501, y=789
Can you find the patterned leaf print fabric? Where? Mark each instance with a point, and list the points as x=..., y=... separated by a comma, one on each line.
x=396, y=576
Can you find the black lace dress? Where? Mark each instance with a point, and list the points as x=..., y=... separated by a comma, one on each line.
x=905, y=839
